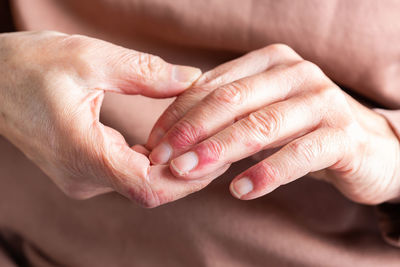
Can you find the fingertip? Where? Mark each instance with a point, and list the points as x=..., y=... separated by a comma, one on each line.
x=177, y=173
x=161, y=154
x=185, y=74
x=184, y=164
x=141, y=149
x=233, y=191
x=240, y=188
x=155, y=137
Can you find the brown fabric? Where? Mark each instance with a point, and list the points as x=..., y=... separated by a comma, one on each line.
x=305, y=223
x=355, y=43
x=11, y=245
x=5, y=261
x=389, y=222
x=6, y=23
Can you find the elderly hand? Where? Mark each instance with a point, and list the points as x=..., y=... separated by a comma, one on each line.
x=272, y=99
x=51, y=89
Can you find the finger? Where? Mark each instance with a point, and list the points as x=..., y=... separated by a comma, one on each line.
x=267, y=128
x=220, y=109
x=127, y=170
x=129, y=173
x=141, y=149
x=98, y=159
x=117, y=69
x=247, y=65
x=140, y=73
x=164, y=187
x=312, y=152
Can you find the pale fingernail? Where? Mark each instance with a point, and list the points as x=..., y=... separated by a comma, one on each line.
x=184, y=74
x=155, y=137
x=242, y=187
x=161, y=154
x=185, y=163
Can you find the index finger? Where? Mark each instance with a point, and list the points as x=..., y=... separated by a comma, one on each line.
x=247, y=65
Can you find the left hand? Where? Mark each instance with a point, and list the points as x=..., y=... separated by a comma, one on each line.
x=279, y=101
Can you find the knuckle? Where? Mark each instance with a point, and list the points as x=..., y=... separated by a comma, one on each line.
x=74, y=42
x=309, y=69
x=337, y=112
x=265, y=123
x=266, y=174
x=279, y=48
x=77, y=46
x=305, y=149
x=212, y=149
x=146, y=65
x=230, y=94
x=175, y=111
x=184, y=134
x=332, y=95
x=352, y=136
x=77, y=51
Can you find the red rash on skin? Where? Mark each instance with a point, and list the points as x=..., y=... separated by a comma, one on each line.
x=191, y=136
x=263, y=177
x=254, y=147
x=206, y=156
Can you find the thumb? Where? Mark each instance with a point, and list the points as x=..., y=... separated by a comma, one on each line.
x=131, y=72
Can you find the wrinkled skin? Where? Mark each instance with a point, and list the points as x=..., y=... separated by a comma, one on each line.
x=52, y=86
x=274, y=101
x=51, y=89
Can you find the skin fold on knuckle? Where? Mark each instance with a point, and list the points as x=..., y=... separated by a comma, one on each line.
x=185, y=134
x=230, y=95
x=305, y=152
x=265, y=175
x=210, y=151
x=264, y=125
x=181, y=105
x=146, y=66
x=174, y=113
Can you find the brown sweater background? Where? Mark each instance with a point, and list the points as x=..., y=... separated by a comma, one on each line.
x=305, y=223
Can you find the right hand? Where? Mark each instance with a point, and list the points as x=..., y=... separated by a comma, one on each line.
x=51, y=90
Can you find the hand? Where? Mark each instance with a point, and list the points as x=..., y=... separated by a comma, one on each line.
x=283, y=103
x=51, y=90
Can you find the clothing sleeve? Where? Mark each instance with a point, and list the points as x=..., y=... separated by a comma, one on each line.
x=389, y=213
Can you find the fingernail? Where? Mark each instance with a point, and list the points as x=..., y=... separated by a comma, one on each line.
x=155, y=137
x=161, y=154
x=185, y=74
x=185, y=163
x=242, y=187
